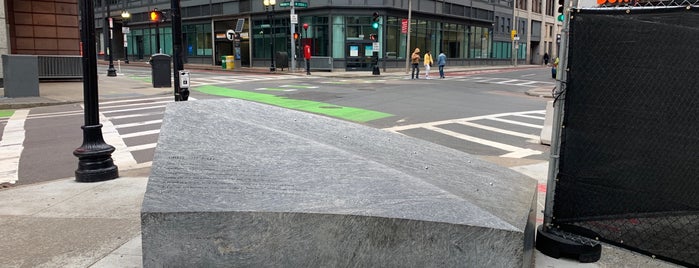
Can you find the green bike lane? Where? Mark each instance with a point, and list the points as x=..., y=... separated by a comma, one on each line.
x=341, y=112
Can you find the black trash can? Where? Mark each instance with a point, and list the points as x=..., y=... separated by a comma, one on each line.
x=160, y=70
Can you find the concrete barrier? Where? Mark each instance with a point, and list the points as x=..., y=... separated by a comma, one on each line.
x=243, y=184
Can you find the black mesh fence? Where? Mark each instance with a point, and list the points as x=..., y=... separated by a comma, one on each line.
x=629, y=158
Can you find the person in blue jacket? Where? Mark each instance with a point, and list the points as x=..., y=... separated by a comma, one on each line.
x=441, y=62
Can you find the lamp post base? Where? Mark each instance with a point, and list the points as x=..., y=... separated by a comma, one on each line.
x=272, y=69
x=95, y=157
x=111, y=71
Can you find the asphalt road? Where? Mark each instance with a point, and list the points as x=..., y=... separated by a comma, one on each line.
x=482, y=113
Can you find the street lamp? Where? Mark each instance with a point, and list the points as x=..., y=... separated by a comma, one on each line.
x=125, y=16
x=270, y=16
x=110, y=71
x=95, y=156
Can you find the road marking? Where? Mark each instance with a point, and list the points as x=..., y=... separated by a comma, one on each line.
x=531, y=116
x=503, y=131
x=136, y=104
x=507, y=81
x=11, y=146
x=122, y=156
x=141, y=133
x=142, y=147
x=134, y=100
x=516, y=123
x=134, y=115
x=457, y=121
x=134, y=109
x=137, y=124
x=515, y=152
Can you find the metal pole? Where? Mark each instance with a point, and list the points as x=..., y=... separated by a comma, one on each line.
x=514, y=26
x=407, y=46
x=181, y=94
x=557, y=120
x=293, y=42
x=274, y=42
x=110, y=23
x=157, y=37
x=94, y=155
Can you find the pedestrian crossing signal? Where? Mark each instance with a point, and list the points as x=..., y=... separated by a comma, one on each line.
x=156, y=15
x=296, y=36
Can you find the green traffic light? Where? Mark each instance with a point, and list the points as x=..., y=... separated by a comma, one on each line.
x=561, y=17
x=375, y=25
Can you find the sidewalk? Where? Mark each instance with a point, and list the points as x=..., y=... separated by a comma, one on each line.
x=64, y=223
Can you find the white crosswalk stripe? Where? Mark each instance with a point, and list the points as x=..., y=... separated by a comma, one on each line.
x=513, y=151
x=501, y=81
x=135, y=109
x=215, y=80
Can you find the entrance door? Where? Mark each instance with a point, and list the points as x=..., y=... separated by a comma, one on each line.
x=139, y=47
x=224, y=48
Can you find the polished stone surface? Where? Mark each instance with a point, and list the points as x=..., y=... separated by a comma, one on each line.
x=237, y=183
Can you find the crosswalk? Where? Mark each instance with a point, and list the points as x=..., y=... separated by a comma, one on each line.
x=521, y=128
x=502, y=81
x=196, y=81
x=132, y=126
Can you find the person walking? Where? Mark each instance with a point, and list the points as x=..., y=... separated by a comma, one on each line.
x=441, y=62
x=415, y=61
x=546, y=59
x=428, y=64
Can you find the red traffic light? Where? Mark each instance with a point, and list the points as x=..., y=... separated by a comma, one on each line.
x=296, y=36
x=372, y=37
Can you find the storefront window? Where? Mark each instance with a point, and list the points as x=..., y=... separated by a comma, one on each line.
x=198, y=39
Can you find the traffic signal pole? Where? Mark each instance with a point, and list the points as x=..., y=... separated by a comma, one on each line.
x=181, y=94
x=293, y=42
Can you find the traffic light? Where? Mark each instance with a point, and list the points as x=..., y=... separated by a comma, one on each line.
x=156, y=15
x=561, y=9
x=296, y=36
x=375, y=20
x=513, y=33
x=372, y=37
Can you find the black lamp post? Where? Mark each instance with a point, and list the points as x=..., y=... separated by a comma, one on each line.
x=94, y=155
x=267, y=4
x=125, y=16
x=110, y=71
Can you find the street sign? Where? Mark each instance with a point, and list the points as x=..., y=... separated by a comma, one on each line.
x=230, y=35
x=296, y=4
x=294, y=18
x=404, y=26
x=184, y=79
x=125, y=30
x=375, y=46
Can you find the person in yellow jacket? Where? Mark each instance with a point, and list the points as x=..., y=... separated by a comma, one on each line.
x=428, y=64
x=415, y=62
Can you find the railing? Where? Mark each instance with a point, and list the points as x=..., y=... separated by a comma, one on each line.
x=322, y=63
x=60, y=67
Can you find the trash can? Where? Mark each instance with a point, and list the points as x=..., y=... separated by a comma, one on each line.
x=223, y=62
x=230, y=62
x=160, y=70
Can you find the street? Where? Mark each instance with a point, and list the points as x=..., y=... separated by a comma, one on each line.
x=484, y=113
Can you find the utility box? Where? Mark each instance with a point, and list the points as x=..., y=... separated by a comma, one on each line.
x=160, y=70
x=230, y=62
x=223, y=62
x=21, y=75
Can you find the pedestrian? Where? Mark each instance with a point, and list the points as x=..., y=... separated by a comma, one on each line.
x=415, y=61
x=546, y=59
x=554, y=68
x=441, y=62
x=428, y=64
